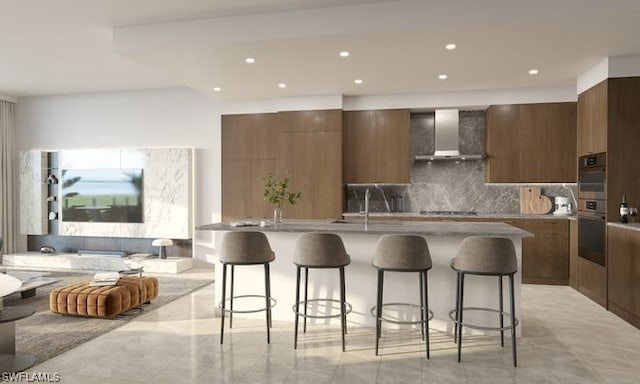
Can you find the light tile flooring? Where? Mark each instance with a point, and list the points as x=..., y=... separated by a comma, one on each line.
x=566, y=339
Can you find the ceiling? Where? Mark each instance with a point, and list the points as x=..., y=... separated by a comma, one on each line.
x=396, y=47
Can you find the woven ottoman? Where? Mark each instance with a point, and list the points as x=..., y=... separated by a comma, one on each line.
x=80, y=299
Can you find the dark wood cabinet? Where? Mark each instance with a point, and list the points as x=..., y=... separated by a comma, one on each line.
x=592, y=120
x=376, y=146
x=545, y=257
x=623, y=143
x=502, y=137
x=608, y=121
x=573, y=253
x=592, y=281
x=534, y=143
x=624, y=273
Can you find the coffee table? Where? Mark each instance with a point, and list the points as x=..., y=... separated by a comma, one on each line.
x=28, y=288
x=31, y=281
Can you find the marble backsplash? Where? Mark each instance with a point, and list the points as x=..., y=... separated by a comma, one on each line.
x=449, y=185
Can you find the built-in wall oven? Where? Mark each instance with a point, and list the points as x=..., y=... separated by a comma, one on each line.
x=592, y=218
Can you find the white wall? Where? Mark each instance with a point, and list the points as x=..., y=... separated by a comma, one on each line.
x=140, y=119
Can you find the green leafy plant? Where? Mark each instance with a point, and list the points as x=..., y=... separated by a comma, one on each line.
x=276, y=191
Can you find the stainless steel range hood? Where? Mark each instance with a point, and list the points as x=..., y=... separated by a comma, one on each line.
x=447, y=136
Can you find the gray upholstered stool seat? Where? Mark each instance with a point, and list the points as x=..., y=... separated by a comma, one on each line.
x=403, y=253
x=489, y=256
x=319, y=250
x=245, y=248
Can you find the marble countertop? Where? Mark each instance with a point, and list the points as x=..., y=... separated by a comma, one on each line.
x=629, y=226
x=439, y=228
x=412, y=215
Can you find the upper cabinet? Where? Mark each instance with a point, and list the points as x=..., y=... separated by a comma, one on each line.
x=376, y=146
x=531, y=143
x=311, y=152
x=250, y=151
x=592, y=120
x=306, y=145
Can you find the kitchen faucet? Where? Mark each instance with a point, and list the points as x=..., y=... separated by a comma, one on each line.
x=367, y=196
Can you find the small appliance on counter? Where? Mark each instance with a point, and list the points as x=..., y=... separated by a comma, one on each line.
x=562, y=206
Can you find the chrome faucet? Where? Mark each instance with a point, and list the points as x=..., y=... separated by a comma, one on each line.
x=367, y=196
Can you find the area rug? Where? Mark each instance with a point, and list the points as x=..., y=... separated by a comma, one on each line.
x=47, y=334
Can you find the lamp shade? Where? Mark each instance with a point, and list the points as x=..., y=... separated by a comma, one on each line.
x=161, y=242
x=8, y=284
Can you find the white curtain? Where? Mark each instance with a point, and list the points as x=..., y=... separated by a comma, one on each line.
x=8, y=196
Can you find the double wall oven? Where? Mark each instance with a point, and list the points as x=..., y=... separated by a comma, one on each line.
x=592, y=218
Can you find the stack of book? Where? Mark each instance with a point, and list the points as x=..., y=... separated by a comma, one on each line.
x=104, y=278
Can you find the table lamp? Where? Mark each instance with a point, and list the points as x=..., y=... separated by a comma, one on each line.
x=162, y=243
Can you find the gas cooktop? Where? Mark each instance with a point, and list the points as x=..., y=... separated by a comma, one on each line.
x=450, y=213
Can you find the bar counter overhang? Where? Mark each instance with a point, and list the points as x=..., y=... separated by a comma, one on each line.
x=443, y=238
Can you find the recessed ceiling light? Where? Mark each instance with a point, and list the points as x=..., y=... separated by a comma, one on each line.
x=249, y=60
x=533, y=71
x=442, y=77
x=344, y=53
x=217, y=89
x=450, y=47
x=282, y=85
x=358, y=81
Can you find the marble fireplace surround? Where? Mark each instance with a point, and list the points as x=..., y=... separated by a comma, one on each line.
x=167, y=191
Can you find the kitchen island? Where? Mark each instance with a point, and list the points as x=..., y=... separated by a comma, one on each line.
x=360, y=242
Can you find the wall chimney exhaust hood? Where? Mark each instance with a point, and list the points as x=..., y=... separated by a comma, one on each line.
x=447, y=136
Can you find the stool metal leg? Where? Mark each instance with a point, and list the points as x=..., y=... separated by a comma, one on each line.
x=231, y=299
x=513, y=321
x=501, y=310
x=455, y=325
x=343, y=316
x=267, y=293
x=295, y=334
x=422, y=309
x=344, y=301
x=425, y=312
x=379, y=307
x=459, y=313
x=224, y=289
x=306, y=296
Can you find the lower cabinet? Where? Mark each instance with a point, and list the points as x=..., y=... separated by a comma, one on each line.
x=545, y=257
x=573, y=253
x=623, y=255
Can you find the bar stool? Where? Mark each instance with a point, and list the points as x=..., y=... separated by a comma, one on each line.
x=487, y=256
x=319, y=251
x=403, y=253
x=239, y=249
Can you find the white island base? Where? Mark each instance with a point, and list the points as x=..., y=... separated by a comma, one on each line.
x=443, y=239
